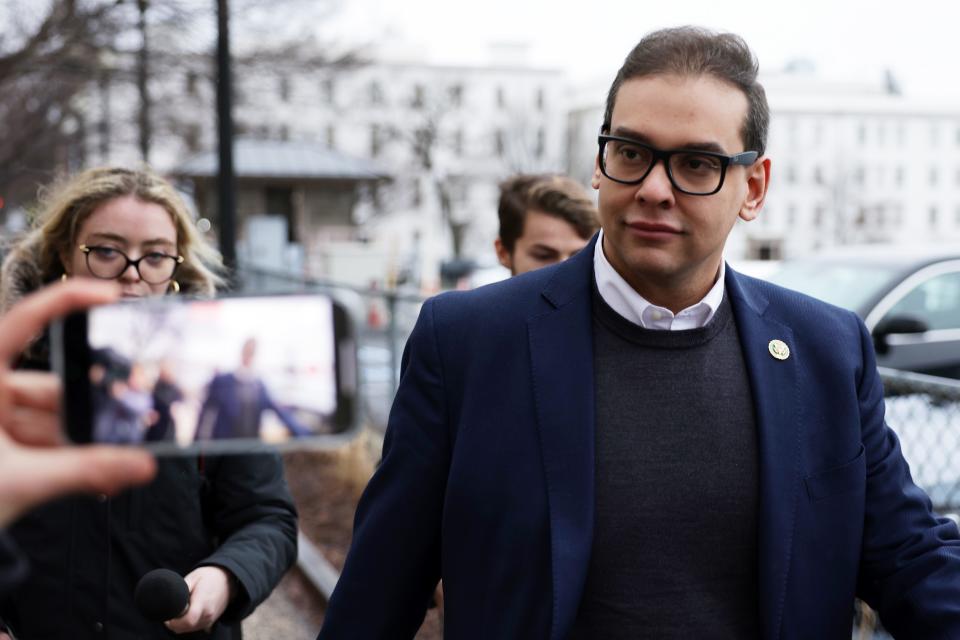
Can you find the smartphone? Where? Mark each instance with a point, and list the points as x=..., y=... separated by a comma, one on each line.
x=221, y=375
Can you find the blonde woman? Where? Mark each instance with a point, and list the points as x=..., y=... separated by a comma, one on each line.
x=227, y=524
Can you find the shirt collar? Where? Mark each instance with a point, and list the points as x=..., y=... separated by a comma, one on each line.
x=624, y=299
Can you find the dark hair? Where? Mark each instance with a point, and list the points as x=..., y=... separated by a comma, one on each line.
x=555, y=195
x=689, y=51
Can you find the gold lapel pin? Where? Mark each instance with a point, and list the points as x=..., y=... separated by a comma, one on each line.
x=779, y=349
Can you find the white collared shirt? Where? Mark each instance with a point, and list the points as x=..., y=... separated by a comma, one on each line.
x=624, y=299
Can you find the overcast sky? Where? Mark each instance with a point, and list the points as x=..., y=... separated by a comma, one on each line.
x=918, y=40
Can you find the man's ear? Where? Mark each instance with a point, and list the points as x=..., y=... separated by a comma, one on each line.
x=758, y=179
x=595, y=180
x=503, y=255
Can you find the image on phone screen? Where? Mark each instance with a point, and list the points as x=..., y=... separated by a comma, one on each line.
x=203, y=371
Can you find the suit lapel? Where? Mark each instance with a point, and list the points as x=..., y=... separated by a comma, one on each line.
x=775, y=397
x=561, y=352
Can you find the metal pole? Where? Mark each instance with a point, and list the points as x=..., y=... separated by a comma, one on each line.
x=142, y=88
x=226, y=180
x=392, y=337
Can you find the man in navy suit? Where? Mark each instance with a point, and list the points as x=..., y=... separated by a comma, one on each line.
x=640, y=442
x=235, y=403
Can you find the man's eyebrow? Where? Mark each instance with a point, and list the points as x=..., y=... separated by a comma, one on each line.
x=712, y=147
x=543, y=247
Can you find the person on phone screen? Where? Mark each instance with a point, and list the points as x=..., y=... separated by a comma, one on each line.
x=227, y=524
x=235, y=403
x=166, y=395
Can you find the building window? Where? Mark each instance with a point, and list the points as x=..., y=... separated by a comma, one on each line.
x=764, y=250
x=331, y=136
x=458, y=142
x=818, y=174
x=791, y=176
x=192, y=137
x=191, y=83
x=818, y=215
x=283, y=88
x=328, y=91
x=501, y=98
x=899, y=176
x=933, y=176
x=376, y=93
x=498, y=142
x=375, y=141
x=284, y=133
x=933, y=216
x=416, y=197
x=280, y=203
x=419, y=98
x=541, y=143
x=860, y=175
x=456, y=95
x=791, y=214
x=541, y=99
x=934, y=135
x=862, y=133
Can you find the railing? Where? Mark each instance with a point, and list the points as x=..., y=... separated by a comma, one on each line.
x=924, y=411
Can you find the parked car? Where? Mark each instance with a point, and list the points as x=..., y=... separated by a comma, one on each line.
x=908, y=296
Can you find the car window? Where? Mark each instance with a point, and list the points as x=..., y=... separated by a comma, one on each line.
x=845, y=285
x=936, y=302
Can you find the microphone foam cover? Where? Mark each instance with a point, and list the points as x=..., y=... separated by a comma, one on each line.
x=161, y=595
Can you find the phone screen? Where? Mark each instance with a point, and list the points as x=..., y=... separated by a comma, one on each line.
x=178, y=374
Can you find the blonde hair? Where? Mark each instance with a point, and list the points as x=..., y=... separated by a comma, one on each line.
x=65, y=205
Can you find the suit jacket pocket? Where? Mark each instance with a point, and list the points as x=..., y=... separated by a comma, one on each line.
x=848, y=478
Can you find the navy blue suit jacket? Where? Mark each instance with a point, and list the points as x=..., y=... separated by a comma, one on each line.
x=487, y=477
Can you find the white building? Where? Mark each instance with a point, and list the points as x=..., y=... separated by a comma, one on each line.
x=446, y=135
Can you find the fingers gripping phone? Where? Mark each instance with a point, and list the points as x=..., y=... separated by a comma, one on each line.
x=214, y=375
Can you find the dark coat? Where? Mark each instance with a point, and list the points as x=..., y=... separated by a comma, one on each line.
x=87, y=554
x=487, y=478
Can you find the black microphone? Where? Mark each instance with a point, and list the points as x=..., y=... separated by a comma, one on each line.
x=162, y=595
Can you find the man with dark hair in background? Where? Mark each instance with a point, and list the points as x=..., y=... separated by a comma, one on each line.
x=544, y=219
x=640, y=442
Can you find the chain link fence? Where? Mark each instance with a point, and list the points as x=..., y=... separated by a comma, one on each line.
x=924, y=411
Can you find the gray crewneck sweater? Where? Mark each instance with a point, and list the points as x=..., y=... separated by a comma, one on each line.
x=675, y=534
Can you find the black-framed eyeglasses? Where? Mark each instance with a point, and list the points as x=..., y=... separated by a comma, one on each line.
x=108, y=263
x=691, y=171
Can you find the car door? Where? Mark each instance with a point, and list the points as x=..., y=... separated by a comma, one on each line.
x=932, y=297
